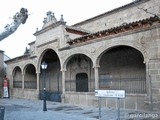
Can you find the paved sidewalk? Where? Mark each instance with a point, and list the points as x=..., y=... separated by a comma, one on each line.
x=22, y=109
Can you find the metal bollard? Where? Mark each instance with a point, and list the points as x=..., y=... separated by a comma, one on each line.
x=2, y=109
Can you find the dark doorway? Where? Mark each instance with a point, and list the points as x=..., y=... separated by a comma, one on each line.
x=81, y=82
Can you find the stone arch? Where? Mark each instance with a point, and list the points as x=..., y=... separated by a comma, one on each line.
x=15, y=68
x=105, y=48
x=69, y=55
x=123, y=67
x=30, y=77
x=41, y=54
x=26, y=64
x=53, y=75
x=17, y=77
x=77, y=64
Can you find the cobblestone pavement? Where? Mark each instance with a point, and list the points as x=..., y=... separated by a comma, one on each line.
x=22, y=109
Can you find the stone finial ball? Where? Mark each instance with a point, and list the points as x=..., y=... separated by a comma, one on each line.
x=49, y=13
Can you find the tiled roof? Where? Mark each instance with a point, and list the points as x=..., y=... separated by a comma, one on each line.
x=77, y=29
x=19, y=58
x=116, y=30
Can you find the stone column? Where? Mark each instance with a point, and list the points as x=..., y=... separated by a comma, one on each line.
x=11, y=82
x=38, y=81
x=63, y=85
x=22, y=81
x=11, y=85
x=96, y=74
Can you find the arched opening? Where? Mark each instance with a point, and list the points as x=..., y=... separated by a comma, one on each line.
x=53, y=77
x=79, y=74
x=17, y=78
x=122, y=67
x=30, y=77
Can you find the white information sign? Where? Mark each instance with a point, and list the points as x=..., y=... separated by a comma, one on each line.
x=110, y=93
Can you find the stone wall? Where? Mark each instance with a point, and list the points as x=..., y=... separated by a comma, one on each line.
x=88, y=99
x=121, y=16
x=154, y=88
x=25, y=94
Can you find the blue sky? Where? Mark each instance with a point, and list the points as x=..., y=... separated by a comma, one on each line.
x=73, y=12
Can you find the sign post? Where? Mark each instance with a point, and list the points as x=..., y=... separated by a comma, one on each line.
x=99, y=104
x=118, y=108
x=110, y=94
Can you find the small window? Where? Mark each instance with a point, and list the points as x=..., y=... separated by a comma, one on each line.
x=81, y=82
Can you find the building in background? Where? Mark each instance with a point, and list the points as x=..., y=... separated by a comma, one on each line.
x=3, y=67
x=118, y=50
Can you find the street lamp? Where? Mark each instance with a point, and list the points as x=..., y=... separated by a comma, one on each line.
x=44, y=67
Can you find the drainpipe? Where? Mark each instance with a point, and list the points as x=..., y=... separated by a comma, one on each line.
x=150, y=88
x=151, y=105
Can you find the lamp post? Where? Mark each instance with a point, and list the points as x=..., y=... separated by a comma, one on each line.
x=44, y=67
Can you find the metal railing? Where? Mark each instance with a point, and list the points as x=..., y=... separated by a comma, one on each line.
x=27, y=84
x=17, y=84
x=30, y=84
x=135, y=85
x=73, y=85
x=130, y=85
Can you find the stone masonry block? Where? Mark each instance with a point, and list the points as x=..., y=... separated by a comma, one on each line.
x=155, y=84
x=141, y=104
x=153, y=78
x=103, y=102
x=156, y=106
x=82, y=100
x=154, y=99
x=151, y=66
x=155, y=91
x=122, y=103
x=153, y=72
x=158, y=65
x=158, y=98
x=157, y=77
x=111, y=103
x=130, y=103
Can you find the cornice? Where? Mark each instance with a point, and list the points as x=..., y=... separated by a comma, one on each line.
x=141, y=24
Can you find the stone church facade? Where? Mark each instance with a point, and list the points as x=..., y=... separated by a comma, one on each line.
x=119, y=49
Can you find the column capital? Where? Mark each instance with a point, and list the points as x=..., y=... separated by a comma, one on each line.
x=96, y=66
x=37, y=72
x=146, y=61
x=63, y=70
